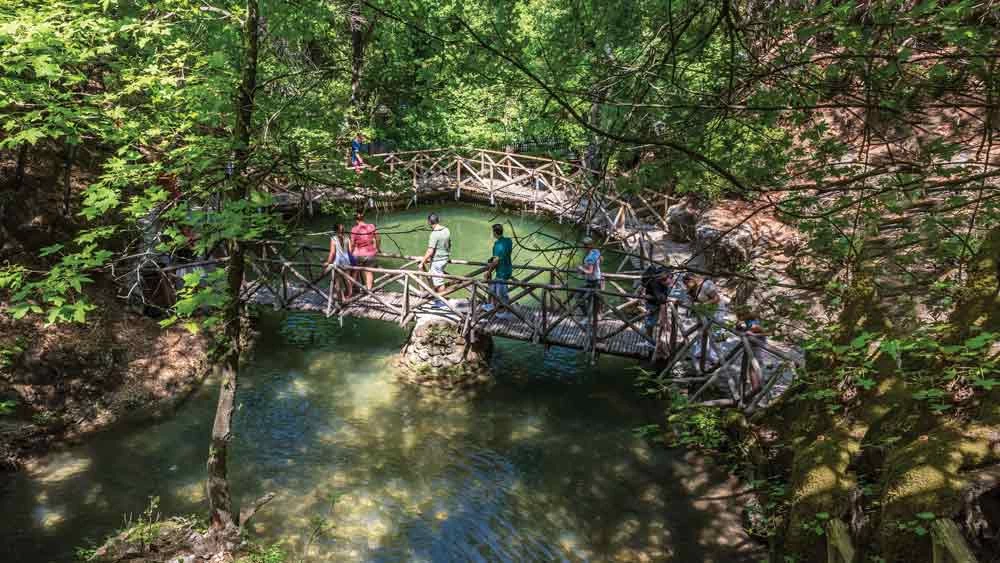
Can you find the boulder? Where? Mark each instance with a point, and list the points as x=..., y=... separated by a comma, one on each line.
x=723, y=249
x=682, y=218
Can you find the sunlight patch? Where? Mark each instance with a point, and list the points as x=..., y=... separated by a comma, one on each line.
x=63, y=468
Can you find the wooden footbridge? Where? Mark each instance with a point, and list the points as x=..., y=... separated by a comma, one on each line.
x=565, y=190
x=547, y=306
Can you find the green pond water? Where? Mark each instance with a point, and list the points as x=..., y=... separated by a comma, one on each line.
x=544, y=466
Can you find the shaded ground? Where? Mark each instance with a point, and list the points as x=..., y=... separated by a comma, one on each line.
x=64, y=381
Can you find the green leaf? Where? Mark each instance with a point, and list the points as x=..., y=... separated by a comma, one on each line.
x=926, y=515
x=31, y=136
x=20, y=310
x=44, y=67
x=980, y=341
x=48, y=250
x=861, y=340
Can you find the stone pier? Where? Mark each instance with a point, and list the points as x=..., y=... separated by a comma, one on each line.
x=433, y=357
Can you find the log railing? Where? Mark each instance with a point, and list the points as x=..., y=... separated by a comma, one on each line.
x=547, y=306
x=948, y=545
x=566, y=190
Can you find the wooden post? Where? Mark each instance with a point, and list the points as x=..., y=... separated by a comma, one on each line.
x=744, y=376
x=703, y=360
x=948, y=544
x=406, y=300
x=674, y=326
x=414, y=171
x=284, y=286
x=545, y=314
x=752, y=365
x=467, y=325
x=838, y=543
x=595, y=308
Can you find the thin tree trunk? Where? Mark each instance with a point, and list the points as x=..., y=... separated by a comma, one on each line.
x=67, y=169
x=221, y=513
x=357, y=51
x=22, y=163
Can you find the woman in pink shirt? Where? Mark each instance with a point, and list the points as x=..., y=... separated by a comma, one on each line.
x=365, y=245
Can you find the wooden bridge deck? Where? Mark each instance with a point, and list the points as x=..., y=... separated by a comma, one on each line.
x=548, y=313
x=613, y=336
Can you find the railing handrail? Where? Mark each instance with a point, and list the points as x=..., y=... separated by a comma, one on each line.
x=462, y=262
x=515, y=155
x=679, y=304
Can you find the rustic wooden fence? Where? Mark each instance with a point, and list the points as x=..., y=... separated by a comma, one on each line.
x=565, y=190
x=547, y=306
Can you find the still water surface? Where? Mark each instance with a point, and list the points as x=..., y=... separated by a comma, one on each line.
x=545, y=466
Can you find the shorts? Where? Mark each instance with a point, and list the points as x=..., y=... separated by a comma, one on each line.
x=501, y=290
x=438, y=267
x=366, y=261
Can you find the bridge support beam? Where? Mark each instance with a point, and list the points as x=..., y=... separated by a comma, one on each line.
x=437, y=355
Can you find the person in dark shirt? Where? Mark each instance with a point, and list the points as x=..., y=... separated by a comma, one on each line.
x=656, y=281
x=356, y=161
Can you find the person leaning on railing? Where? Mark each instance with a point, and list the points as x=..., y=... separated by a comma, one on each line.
x=365, y=245
x=656, y=283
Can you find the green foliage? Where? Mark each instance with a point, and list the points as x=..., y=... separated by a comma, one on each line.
x=696, y=427
x=269, y=554
x=144, y=528
x=817, y=524
x=918, y=526
x=7, y=407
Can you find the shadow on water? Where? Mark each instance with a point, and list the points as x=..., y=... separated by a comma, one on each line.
x=365, y=469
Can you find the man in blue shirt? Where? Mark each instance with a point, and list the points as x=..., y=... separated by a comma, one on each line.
x=356, y=160
x=501, y=269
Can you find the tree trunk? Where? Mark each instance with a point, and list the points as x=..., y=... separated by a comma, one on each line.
x=22, y=163
x=67, y=169
x=221, y=513
x=357, y=51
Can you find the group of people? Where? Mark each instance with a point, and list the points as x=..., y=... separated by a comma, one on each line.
x=499, y=268
x=658, y=283
x=361, y=244
x=358, y=247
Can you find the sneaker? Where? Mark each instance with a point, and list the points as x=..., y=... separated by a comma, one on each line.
x=487, y=307
x=439, y=304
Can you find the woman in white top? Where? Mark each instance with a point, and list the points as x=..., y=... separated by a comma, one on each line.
x=340, y=257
